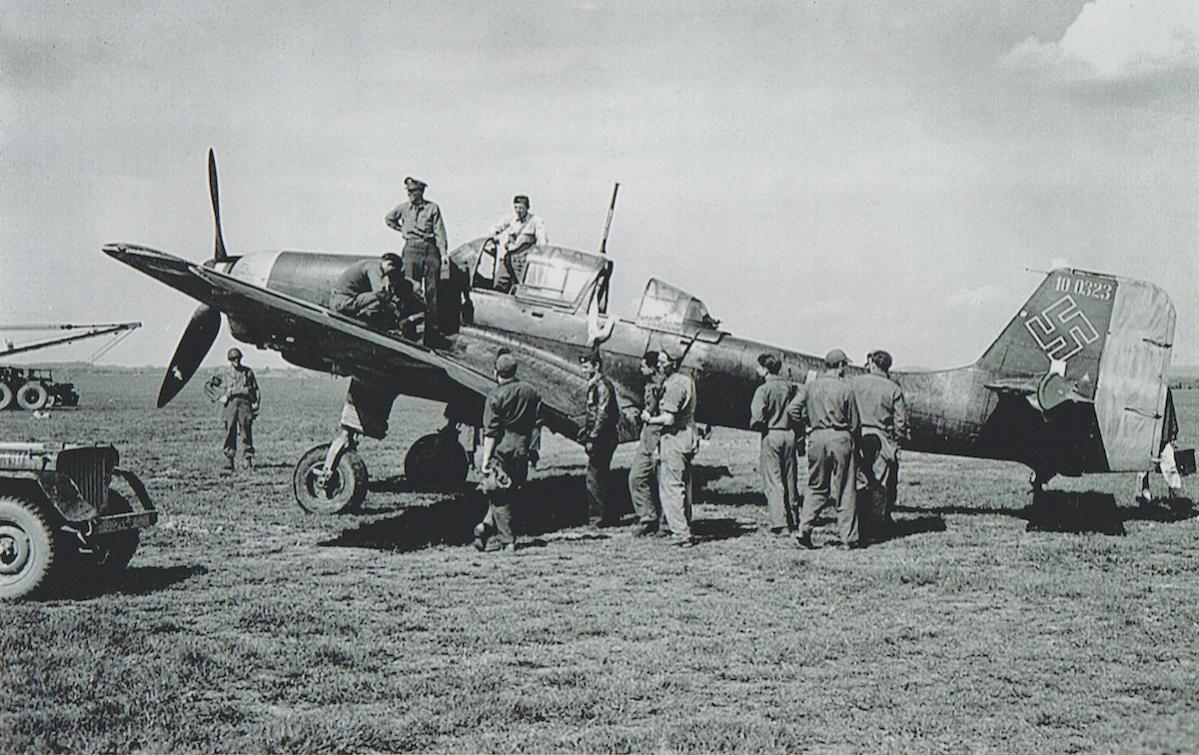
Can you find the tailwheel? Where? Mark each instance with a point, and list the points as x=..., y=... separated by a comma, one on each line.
x=436, y=460
x=342, y=491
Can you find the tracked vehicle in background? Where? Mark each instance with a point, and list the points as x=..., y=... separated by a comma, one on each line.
x=61, y=519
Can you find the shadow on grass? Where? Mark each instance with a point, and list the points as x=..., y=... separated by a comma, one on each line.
x=907, y=527
x=1077, y=512
x=138, y=580
x=549, y=504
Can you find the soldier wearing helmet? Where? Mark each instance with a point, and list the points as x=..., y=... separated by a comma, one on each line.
x=236, y=389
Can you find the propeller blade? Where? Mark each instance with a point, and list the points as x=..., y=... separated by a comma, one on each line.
x=218, y=253
x=198, y=337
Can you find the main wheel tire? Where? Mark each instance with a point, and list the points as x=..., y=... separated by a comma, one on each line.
x=345, y=490
x=436, y=460
x=6, y=396
x=32, y=396
x=27, y=548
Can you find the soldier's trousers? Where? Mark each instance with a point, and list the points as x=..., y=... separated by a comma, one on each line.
x=600, y=506
x=422, y=266
x=643, y=485
x=878, y=479
x=831, y=480
x=776, y=465
x=500, y=502
x=238, y=416
x=511, y=270
x=674, y=482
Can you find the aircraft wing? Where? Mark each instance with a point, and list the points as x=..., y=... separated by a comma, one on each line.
x=275, y=312
x=468, y=361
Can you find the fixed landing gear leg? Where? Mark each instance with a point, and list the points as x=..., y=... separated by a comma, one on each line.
x=346, y=440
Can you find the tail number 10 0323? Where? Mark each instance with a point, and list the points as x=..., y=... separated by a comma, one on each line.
x=1093, y=289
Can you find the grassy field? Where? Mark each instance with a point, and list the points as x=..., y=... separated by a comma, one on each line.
x=246, y=625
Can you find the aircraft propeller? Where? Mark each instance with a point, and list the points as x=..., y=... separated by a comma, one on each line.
x=205, y=322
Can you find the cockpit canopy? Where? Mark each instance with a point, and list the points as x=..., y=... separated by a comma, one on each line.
x=553, y=275
x=665, y=307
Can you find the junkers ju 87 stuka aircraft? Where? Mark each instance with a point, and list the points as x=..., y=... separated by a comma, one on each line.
x=1075, y=383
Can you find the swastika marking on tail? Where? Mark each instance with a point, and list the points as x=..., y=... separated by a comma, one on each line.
x=1062, y=330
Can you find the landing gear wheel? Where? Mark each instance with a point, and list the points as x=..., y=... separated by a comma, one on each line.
x=27, y=548
x=32, y=396
x=345, y=489
x=5, y=396
x=436, y=460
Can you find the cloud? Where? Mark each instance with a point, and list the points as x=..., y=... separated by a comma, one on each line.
x=1118, y=39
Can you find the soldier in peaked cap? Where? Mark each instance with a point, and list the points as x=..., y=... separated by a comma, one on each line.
x=884, y=416
x=425, y=251
x=834, y=426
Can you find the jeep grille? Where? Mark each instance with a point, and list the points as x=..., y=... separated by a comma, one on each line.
x=91, y=470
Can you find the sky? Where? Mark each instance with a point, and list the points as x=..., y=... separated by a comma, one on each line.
x=821, y=174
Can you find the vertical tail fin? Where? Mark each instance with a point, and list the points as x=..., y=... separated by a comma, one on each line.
x=1109, y=340
x=1063, y=327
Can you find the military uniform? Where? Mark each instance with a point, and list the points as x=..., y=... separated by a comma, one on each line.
x=776, y=456
x=237, y=389
x=832, y=417
x=511, y=416
x=361, y=292
x=676, y=448
x=643, y=483
x=424, y=249
x=883, y=414
x=514, y=239
x=600, y=434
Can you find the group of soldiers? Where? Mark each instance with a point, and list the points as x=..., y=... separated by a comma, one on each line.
x=660, y=477
x=396, y=290
x=848, y=429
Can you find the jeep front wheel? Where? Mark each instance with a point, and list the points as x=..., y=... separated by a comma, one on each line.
x=27, y=551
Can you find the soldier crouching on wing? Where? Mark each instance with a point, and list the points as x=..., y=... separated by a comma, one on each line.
x=776, y=458
x=599, y=437
x=884, y=417
x=832, y=416
x=368, y=290
x=677, y=445
x=236, y=389
x=643, y=478
x=511, y=433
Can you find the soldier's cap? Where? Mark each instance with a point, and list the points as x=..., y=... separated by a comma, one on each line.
x=505, y=365
x=673, y=351
x=881, y=359
x=591, y=357
x=835, y=358
x=520, y=199
x=650, y=358
x=412, y=184
x=392, y=257
x=234, y=353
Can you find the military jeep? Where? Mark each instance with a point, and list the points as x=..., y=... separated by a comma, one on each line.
x=60, y=517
